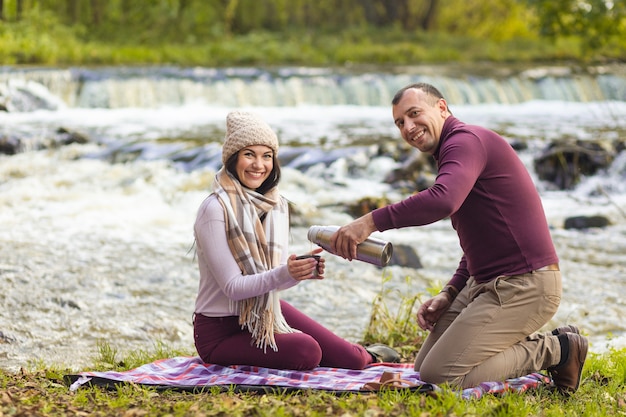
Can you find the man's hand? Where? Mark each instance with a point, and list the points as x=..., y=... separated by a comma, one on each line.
x=431, y=310
x=345, y=240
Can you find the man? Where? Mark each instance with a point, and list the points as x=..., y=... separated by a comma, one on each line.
x=507, y=285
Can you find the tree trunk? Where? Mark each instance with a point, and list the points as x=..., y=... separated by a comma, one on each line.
x=72, y=10
x=230, y=15
x=96, y=12
x=125, y=8
x=369, y=9
x=182, y=6
x=392, y=10
x=429, y=16
x=397, y=11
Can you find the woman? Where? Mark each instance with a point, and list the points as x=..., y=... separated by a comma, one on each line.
x=242, y=232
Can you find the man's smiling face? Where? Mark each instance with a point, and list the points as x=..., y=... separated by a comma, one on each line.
x=420, y=118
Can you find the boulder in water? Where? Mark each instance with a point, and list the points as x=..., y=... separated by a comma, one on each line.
x=406, y=256
x=416, y=173
x=585, y=222
x=365, y=205
x=10, y=145
x=563, y=163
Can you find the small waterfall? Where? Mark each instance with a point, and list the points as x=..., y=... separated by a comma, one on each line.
x=236, y=87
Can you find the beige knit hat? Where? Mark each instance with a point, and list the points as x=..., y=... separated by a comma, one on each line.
x=246, y=129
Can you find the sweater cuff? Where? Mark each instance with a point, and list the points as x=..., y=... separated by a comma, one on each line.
x=382, y=219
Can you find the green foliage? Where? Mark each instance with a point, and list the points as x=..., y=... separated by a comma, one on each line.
x=397, y=329
x=107, y=357
x=41, y=392
x=487, y=20
x=595, y=22
x=309, y=32
x=610, y=367
x=40, y=39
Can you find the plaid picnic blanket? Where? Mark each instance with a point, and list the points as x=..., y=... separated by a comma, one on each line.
x=190, y=373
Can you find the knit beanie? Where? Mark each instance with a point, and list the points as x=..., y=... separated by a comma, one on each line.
x=246, y=129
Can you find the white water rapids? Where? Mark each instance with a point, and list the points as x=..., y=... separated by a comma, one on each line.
x=92, y=251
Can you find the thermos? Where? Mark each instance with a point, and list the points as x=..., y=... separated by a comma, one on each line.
x=373, y=251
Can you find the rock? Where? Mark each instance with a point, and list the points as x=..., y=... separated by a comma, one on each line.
x=4, y=338
x=10, y=145
x=365, y=205
x=303, y=158
x=563, y=163
x=406, y=256
x=67, y=137
x=395, y=149
x=65, y=303
x=417, y=173
x=518, y=145
x=585, y=222
x=206, y=156
x=18, y=95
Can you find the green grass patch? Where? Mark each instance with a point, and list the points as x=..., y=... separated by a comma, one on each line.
x=42, y=392
x=40, y=39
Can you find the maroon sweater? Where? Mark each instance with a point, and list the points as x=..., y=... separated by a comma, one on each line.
x=485, y=189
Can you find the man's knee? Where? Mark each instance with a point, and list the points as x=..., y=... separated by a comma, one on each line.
x=435, y=374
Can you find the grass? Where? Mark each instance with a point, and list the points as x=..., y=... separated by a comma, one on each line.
x=271, y=49
x=42, y=40
x=42, y=391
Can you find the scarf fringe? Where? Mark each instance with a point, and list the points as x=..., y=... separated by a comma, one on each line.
x=269, y=319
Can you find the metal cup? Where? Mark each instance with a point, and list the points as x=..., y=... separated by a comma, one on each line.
x=316, y=272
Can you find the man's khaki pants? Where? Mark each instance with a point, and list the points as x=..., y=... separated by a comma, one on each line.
x=488, y=333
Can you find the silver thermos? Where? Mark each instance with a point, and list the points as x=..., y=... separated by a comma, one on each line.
x=373, y=251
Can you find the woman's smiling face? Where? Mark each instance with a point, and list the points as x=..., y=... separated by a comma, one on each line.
x=254, y=165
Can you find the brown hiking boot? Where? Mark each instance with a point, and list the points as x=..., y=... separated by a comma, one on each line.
x=570, y=328
x=566, y=377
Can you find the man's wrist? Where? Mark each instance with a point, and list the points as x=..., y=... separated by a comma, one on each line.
x=368, y=223
x=451, y=291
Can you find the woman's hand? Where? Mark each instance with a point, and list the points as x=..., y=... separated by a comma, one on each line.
x=307, y=268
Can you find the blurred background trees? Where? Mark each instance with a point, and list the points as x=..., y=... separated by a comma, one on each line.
x=594, y=23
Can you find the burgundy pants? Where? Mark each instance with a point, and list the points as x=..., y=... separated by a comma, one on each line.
x=222, y=341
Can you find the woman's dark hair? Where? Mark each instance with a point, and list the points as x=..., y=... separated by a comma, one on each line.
x=268, y=184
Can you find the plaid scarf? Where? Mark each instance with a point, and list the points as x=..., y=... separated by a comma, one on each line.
x=257, y=246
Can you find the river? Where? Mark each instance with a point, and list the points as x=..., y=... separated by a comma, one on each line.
x=97, y=246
